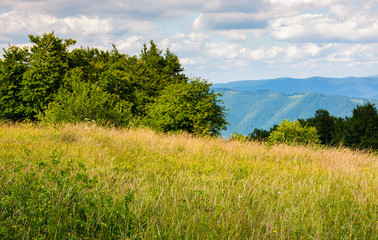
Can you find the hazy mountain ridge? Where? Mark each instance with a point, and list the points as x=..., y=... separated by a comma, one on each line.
x=357, y=87
x=264, y=108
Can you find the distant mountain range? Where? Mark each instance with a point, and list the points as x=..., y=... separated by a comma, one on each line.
x=357, y=87
x=263, y=103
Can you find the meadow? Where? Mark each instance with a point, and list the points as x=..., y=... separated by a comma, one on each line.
x=88, y=182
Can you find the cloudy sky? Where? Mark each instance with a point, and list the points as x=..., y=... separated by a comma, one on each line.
x=218, y=40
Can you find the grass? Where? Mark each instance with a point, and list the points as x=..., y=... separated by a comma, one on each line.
x=87, y=182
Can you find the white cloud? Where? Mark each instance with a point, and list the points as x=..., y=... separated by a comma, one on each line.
x=93, y=31
x=224, y=50
x=234, y=35
x=20, y=23
x=134, y=26
x=304, y=3
x=192, y=61
x=229, y=20
x=139, y=9
x=263, y=35
x=238, y=52
x=188, y=42
x=131, y=44
x=264, y=54
x=343, y=23
x=291, y=2
x=192, y=36
x=238, y=55
x=84, y=24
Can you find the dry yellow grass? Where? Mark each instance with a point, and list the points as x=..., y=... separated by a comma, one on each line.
x=197, y=188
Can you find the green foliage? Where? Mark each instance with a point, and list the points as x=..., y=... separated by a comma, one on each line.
x=48, y=60
x=50, y=83
x=92, y=62
x=79, y=101
x=324, y=124
x=361, y=130
x=152, y=73
x=239, y=137
x=293, y=133
x=261, y=135
x=192, y=107
x=12, y=69
x=339, y=136
x=54, y=199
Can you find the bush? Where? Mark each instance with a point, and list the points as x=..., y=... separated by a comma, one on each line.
x=87, y=102
x=239, y=137
x=293, y=133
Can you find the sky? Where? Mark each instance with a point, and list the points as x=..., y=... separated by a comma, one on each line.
x=217, y=40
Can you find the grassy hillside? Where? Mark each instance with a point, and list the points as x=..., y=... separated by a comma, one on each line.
x=87, y=182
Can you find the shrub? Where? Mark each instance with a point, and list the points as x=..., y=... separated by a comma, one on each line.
x=239, y=137
x=293, y=133
x=87, y=102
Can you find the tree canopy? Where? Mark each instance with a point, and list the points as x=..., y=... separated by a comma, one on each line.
x=190, y=107
x=360, y=131
x=324, y=124
x=49, y=82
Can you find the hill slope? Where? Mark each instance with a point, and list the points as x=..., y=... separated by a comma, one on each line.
x=85, y=182
x=356, y=87
x=264, y=108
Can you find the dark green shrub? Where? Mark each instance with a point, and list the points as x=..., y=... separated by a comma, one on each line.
x=260, y=135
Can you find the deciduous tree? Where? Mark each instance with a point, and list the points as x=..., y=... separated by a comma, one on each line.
x=192, y=107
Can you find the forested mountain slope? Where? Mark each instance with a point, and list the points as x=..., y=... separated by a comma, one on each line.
x=264, y=108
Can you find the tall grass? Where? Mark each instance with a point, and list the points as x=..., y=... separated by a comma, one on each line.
x=88, y=182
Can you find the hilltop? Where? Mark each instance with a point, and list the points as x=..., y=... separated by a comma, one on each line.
x=83, y=181
x=354, y=87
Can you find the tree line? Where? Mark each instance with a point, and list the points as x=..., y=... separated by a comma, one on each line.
x=48, y=82
x=360, y=131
